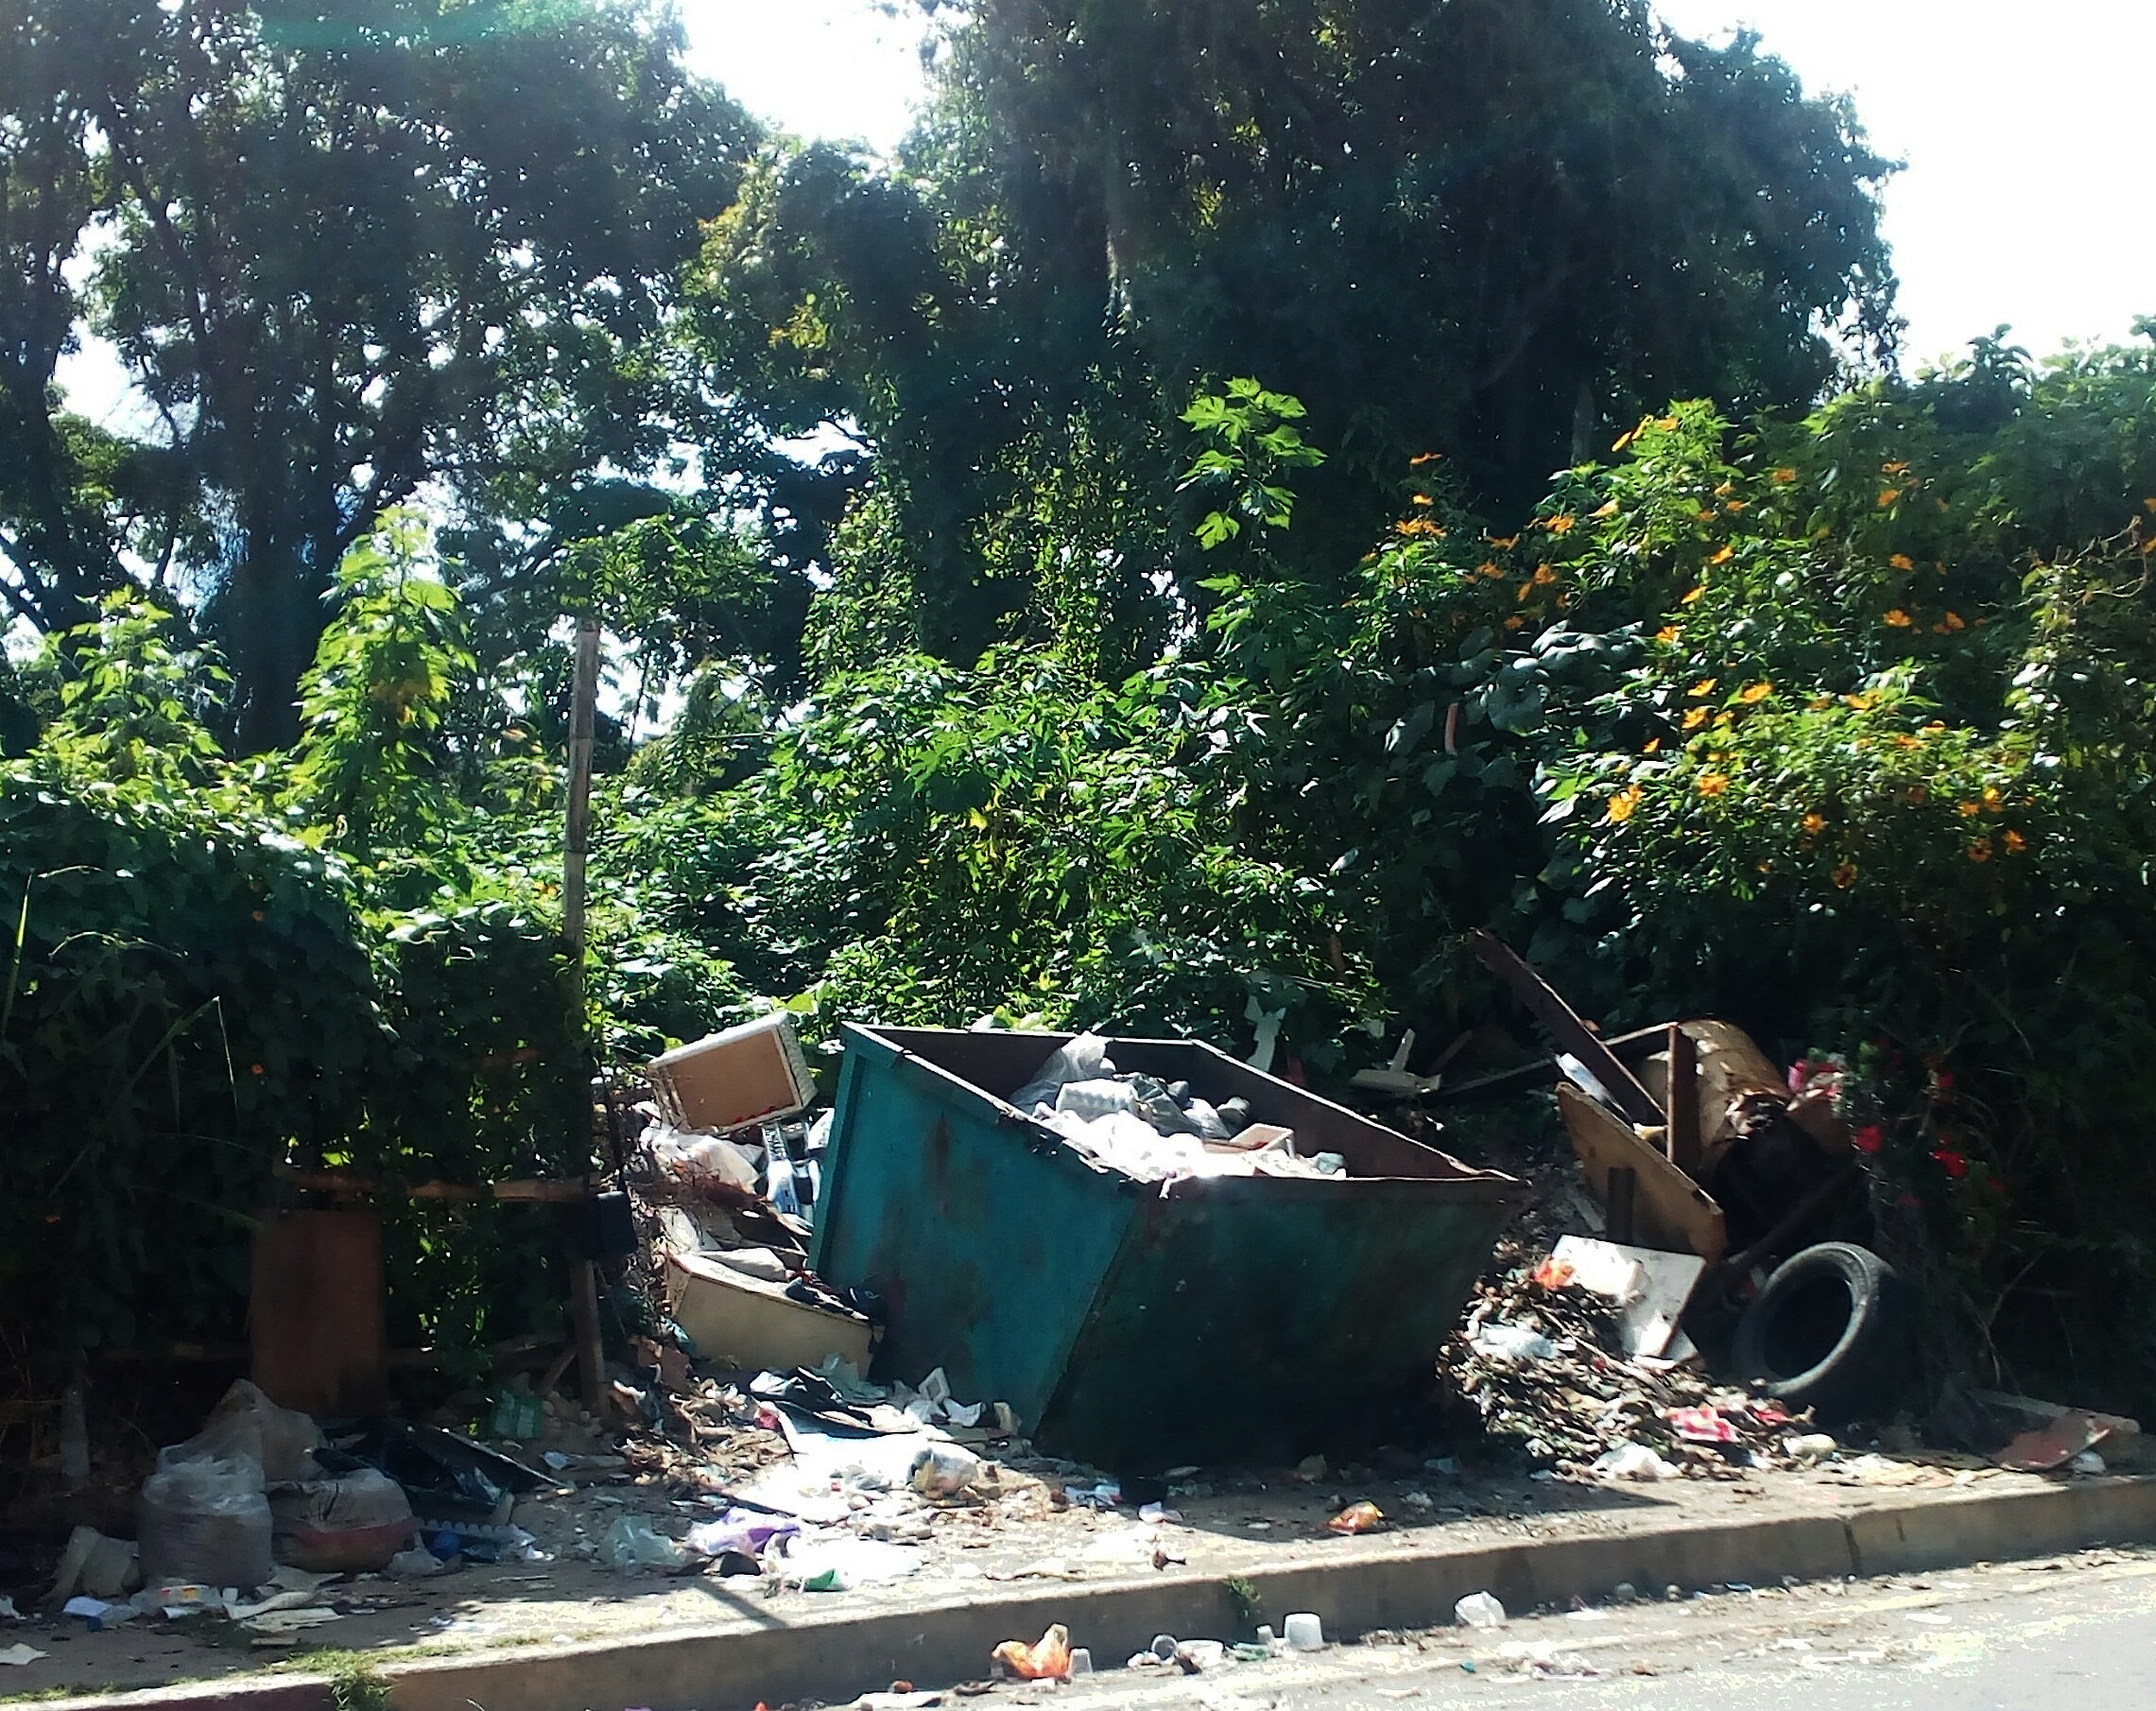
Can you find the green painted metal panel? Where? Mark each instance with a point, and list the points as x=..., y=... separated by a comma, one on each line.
x=1219, y=1320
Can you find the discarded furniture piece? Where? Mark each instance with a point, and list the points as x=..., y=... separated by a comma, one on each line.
x=740, y=1320
x=727, y=1080
x=1140, y=1325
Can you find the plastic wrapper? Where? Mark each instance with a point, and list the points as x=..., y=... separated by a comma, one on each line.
x=205, y=1520
x=246, y=1426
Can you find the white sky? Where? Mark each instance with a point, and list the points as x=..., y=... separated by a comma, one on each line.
x=2025, y=125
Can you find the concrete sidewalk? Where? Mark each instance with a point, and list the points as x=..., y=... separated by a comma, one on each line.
x=566, y=1636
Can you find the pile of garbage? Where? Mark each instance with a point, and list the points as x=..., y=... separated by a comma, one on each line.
x=1541, y=1361
x=1156, y=1130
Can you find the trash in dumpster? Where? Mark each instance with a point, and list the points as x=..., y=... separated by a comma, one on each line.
x=1141, y=1328
x=1156, y=1130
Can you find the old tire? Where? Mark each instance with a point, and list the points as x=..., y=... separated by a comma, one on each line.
x=1828, y=1332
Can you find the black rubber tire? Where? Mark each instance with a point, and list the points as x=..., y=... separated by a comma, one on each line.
x=1828, y=1331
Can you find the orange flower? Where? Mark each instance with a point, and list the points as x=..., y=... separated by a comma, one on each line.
x=1653, y=746
x=1897, y=619
x=1510, y=541
x=2015, y=844
x=1526, y=589
x=1724, y=555
x=1980, y=850
x=1694, y=594
x=1815, y=824
x=1493, y=572
x=1422, y=457
x=1845, y=874
x=1902, y=560
x=1704, y=686
x=1514, y=621
x=1737, y=505
x=1622, y=804
x=1704, y=516
x=1953, y=622
x=1752, y=694
x=1969, y=810
x=1666, y=424
x=1543, y=576
x=1561, y=523
x=1895, y=469
x=1695, y=718
x=1863, y=703
x=1424, y=499
x=1713, y=784
x=1890, y=498
x=1785, y=477
x=1666, y=635
x=1608, y=509
x=1904, y=740
x=1992, y=800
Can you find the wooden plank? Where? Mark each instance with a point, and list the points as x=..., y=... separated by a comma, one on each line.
x=1571, y=1033
x=590, y=1354
x=1684, y=1103
x=1671, y=1211
x=523, y=1189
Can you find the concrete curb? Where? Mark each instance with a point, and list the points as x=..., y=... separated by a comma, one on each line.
x=835, y=1656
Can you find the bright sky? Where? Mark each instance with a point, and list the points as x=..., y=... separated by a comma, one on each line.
x=2024, y=127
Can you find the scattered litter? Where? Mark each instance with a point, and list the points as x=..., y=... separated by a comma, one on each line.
x=2088, y=1461
x=1358, y=1517
x=97, y=1612
x=944, y=1470
x=1048, y=1659
x=1303, y=1632
x=1633, y=1462
x=632, y=1543
x=1479, y=1610
x=1930, y=1618
x=19, y=1654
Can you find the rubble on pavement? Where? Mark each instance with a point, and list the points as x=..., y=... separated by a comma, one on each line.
x=1541, y=1369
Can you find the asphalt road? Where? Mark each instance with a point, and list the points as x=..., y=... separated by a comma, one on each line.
x=2074, y=1633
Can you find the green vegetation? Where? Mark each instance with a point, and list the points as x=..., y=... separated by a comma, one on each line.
x=1075, y=677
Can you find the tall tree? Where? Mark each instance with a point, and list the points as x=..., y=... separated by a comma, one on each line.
x=345, y=247
x=1492, y=228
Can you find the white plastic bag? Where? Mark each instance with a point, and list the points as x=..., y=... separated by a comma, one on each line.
x=1084, y=1059
x=944, y=1470
x=204, y=1520
x=246, y=1426
x=633, y=1543
x=1633, y=1462
x=1479, y=1610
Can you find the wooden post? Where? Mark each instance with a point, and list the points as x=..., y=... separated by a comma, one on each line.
x=583, y=702
x=1682, y=1103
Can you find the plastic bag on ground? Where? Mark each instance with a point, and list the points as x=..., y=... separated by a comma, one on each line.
x=1479, y=1610
x=353, y=1525
x=1083, y=1059
x=1048, y=1659
x=944, y=1470
x=246, y=1425
x=633, y=1543
x=1633, y=1462
x=1513, y=1342
x=205, y=1520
